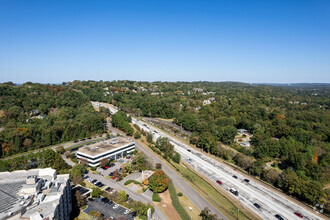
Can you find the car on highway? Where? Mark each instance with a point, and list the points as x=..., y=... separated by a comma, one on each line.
x=279, y=217
x=126, y=212
x=219, y=182
x=115, y=206
x=189, y=150
x=235, y=176
x=298, y=214
x=257, y=205
x=233, y=191
x=247, y=180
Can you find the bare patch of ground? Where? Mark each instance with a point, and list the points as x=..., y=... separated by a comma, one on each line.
x=166, y=206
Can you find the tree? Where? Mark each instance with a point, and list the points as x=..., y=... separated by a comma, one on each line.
x=104, y=162
x=137, y=135
x=176, y=157
x=206, y=214
x=95, y=215
x=123, y=195
x=158, y=182
x=96, y=192
x=271, y=175
x=80, y=199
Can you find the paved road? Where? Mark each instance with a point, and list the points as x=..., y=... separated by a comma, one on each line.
x=135, y=196
x=65, y=146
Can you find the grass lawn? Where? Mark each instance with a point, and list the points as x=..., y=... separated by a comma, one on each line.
x=186, y=203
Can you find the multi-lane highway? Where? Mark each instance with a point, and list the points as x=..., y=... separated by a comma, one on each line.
x=271, y=201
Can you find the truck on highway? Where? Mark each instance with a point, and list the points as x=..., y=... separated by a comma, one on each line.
x=233, y=191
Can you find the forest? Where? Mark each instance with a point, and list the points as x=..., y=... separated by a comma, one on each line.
x=288, y=125
x=33, y=116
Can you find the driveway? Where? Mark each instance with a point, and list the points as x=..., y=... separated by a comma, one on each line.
x=134, y=176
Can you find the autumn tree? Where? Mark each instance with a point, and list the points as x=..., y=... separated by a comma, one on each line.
x=158, y=182
x=104, y=162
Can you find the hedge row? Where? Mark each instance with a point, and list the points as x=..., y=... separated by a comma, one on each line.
x=132, y=181
x=176, y=203
x=155, y=197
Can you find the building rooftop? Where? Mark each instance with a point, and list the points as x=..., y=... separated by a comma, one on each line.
x=104, y=146
x=30, y=193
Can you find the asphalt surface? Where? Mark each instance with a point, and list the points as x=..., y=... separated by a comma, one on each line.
x=133, y=195
x=107, y=210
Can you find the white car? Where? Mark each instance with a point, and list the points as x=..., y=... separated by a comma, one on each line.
x=115, y=206
x=126, y=212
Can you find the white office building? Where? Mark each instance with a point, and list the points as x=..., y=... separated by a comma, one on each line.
x=112, y=149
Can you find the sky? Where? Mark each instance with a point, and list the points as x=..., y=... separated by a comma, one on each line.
x=272, y=41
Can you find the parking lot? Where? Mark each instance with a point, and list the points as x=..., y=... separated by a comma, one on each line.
x=108, y=209
x=116, y=166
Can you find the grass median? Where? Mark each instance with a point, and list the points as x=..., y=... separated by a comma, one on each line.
x=220, y=202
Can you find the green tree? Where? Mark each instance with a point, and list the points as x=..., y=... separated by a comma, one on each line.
x=96, y=192
x=206, y=214
x=123, y=195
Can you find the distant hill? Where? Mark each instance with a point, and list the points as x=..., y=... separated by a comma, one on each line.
x=300, y=85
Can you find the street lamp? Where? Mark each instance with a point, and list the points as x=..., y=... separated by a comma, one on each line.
x=190, y=209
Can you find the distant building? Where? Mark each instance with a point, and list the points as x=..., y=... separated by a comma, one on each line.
x=197, y=89
x=206, y=102
x=112, y=149
x=35, y=194
x=241, y=131
x=245, y=144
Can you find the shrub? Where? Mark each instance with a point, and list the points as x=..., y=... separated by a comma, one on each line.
x=155, y=197
x=176, y=203
x=93, y=168
x=132, y=181
x=180, y=194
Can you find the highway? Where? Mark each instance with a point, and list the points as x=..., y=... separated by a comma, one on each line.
x=271, y=201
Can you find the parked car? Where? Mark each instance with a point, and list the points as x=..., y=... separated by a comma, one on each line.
x=108, y=189
x=93, y=181
x=235, y=176
x=219, y=182
x=115, y=206
x=247, y=180
x=298, y=214
x=126, y=212
x=105, y=200
x=110, y=202
x=111, y=174
x=189, y=150
x=279, y=217
x=257, y=205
